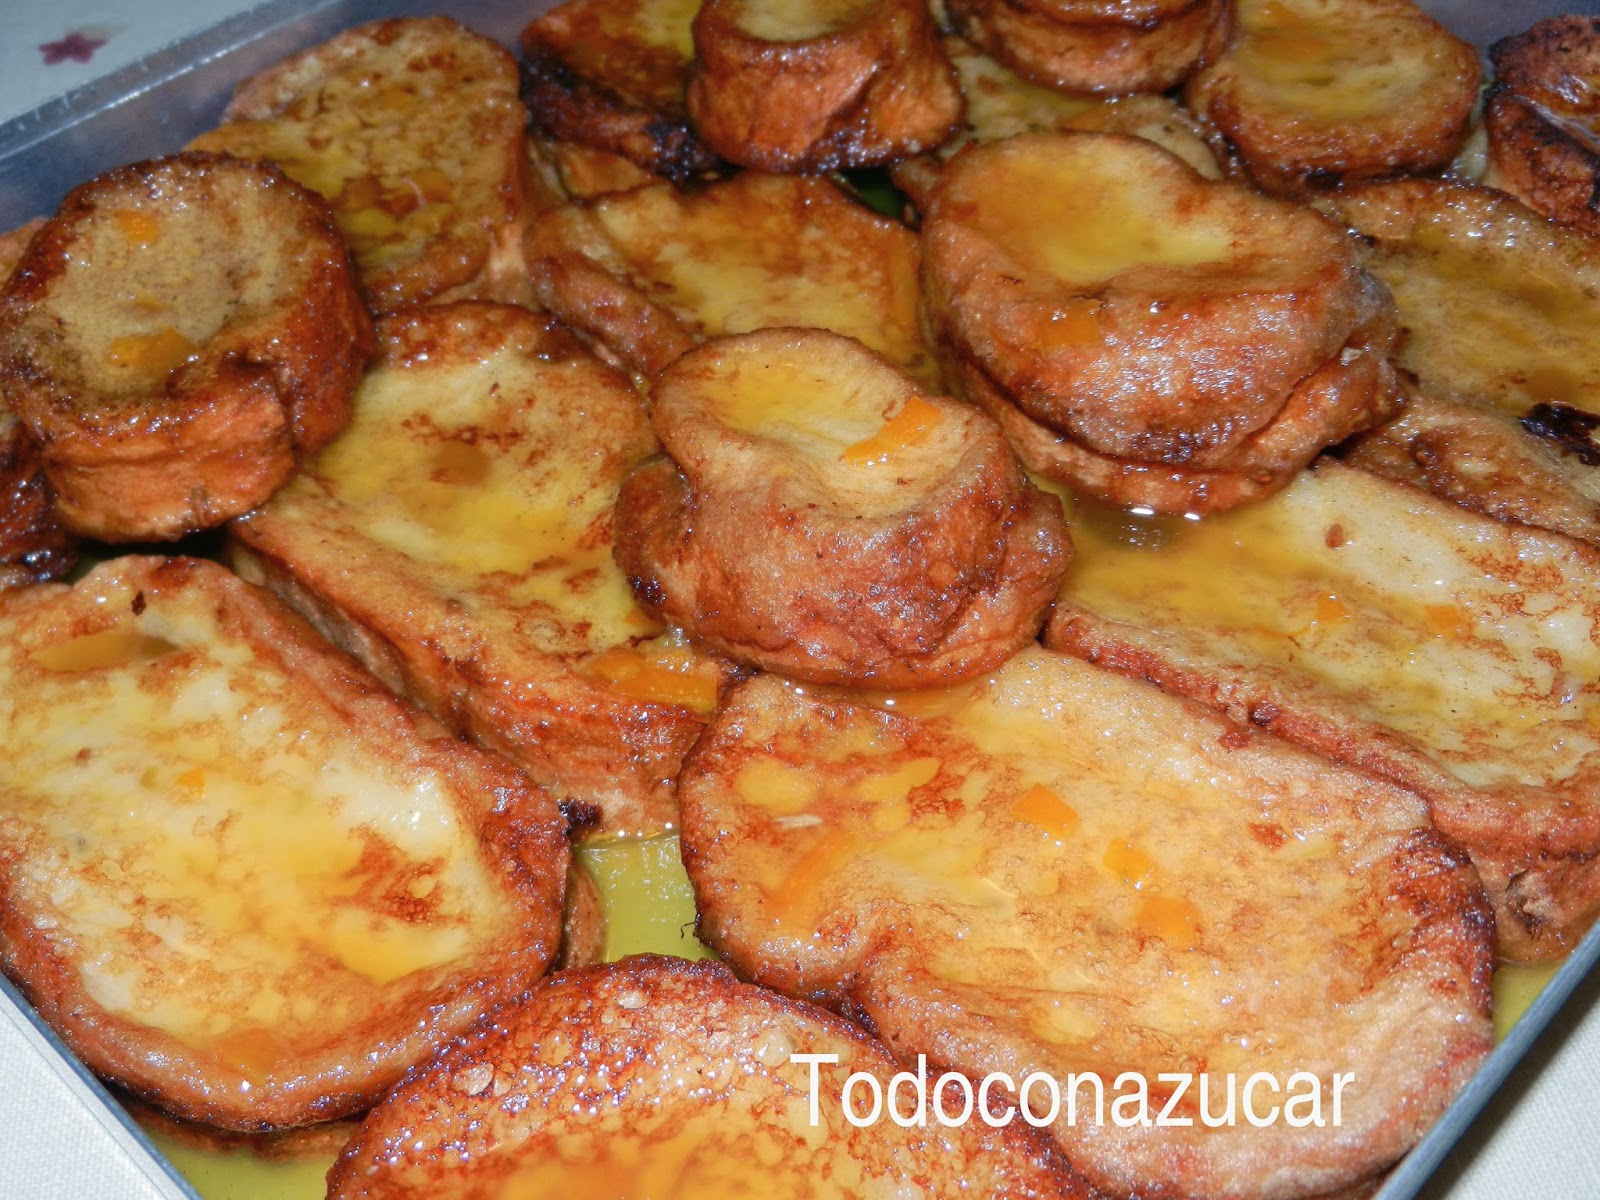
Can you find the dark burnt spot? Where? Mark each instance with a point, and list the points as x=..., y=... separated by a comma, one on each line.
x=138, y=605
x=581, y=816
x=1568, y=429
x=1264, y=714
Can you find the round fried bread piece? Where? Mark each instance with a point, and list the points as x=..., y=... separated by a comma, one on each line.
x=658, y=1077
x=177, y=338
x=238, y=875
x=823, y=518
x=821, y=84
x=1052, y=46
x=1314, y=93
x=1541, y=119
x=1153, y=317
x=1065, y=871
x=999, y=104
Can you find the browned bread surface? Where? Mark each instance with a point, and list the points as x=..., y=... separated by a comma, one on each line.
x=176, y=339
x=663, y=1078
x=412, y=129
x=238, y=876
x=1061, y=870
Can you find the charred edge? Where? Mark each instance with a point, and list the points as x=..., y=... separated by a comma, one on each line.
x=1569, y=428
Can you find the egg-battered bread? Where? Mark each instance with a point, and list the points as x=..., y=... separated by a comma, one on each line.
x=1058, y=869
x=669, y=1079
x=1111, y=52
x=818, y=85
x=1394, y=631
x=412, y=129
x=177, y=338
x=457, y=539
x=1500, y=324
x=1540, y=116
x=822, y=517
x=1000, y=103
x=1154, y=336
x=610, y=75
x=650, y=273
x=1315, y=93
x=237, y=876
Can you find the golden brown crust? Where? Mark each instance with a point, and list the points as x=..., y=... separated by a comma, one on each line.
x=611, y=75
x=301, y=1018
x=412, y=129
x=305, y=1144
x=648, y=274
x=583, y=922
x=823, y=86
x=1045, y=44
x=1021, y=882
x=1244, y=343
x=772, y=536
x=460, y=549
x=1316, y=93
x=1486, y=719
x=176, y=339
x=1540, y=119
x=655, y=1076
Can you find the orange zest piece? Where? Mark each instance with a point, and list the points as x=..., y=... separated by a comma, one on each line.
x=1175, y=922
x=1043, y=809
x=138, y=227
x=192, y=780
x=1331, y=609
x=94, y=651
x=1446, y=620
x=1128, y=862
x=1076, y=323
x=794, y=898
x=152, y=353
x=906, y=428
x=691, y=684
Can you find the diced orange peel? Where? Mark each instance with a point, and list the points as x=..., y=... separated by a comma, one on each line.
x=155, y=354
x=1043, y=809
x=1128, y=862
x=908, y=427
x=138, y=226
x=676, y=677
x=1075, y=323
x=1446, y=620
x=1175, y=922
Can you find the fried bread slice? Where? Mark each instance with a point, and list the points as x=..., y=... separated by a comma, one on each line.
x=177, y=338
x=1158, y=318
x=1315, y=93
x=457, y=539
x=650, y=273
x=822, y=518
x=1053, y=46
x=1540, y=118
x=1394, y=631
x=1501, y=326
x=663, y=1078
x=240, y=878
x=819, y=85
x=611, y=75
x=33, y=546
x=412, y=129
x=999, y=103
x=1064, y=871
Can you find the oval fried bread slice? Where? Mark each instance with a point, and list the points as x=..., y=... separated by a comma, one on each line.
x=240, y=878
x=1314, y=93
x=33, y=545
x=1394, y=631
x=177, y=338
x=610, y=75
x=1501, y=327
x=1540, y=118
x=669, y=1079
x=999, y=103
x=457, y=539
x=1157, y=318
x=1069, y=872
x=650, y=273
x=1051, y=46
x=816, y=85
x=821, y=517
x=412, y=130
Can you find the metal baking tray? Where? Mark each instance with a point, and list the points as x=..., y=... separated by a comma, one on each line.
x=156, y=104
